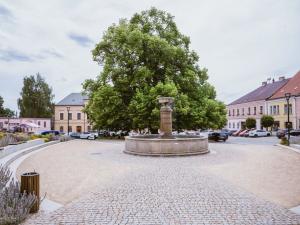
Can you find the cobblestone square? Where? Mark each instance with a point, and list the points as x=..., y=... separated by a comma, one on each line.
x=99, y=184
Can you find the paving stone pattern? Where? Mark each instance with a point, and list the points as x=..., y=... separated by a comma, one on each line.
x=168, y=191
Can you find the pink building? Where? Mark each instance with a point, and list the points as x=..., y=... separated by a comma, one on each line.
x=252, y=105
x=26, y=124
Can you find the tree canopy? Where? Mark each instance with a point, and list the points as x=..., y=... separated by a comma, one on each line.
x=36, y=98
x=5, y=112
x=267, y=121
x=143, y=58
x=250, y=123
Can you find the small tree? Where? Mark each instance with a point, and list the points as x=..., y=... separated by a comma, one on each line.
x=250, y=123
x=36, y=98
x=267, y=121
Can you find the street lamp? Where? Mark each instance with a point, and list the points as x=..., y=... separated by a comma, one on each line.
x=68, y=116
x=287, y=97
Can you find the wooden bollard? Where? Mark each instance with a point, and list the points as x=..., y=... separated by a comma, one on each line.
x=30, y=183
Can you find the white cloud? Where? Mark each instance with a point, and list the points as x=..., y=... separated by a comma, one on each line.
x=241, y=43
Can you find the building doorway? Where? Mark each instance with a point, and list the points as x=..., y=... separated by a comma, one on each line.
x=276, y=125
x=78, y=129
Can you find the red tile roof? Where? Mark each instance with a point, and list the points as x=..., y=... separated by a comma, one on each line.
x=292, y=86
x=261, y=93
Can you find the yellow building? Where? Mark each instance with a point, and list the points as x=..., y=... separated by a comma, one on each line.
x=72, y=104
x=277, y=104
x=277, y=108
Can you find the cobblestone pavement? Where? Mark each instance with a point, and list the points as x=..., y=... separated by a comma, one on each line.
x=166, y=191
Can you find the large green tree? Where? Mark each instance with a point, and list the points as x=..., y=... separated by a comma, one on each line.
x=36, y=98
x=143, y=58
x=5, y=112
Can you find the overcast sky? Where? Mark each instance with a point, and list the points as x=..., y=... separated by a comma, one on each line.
x=241, y=43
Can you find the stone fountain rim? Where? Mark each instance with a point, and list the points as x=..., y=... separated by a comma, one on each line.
x=155, y=138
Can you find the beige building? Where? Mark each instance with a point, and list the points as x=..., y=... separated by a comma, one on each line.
x=72, y=104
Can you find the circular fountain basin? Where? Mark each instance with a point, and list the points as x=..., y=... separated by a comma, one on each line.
x=175, y=145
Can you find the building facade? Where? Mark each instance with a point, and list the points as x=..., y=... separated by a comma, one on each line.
x=71, y=109
x=31, y=125
x=277, y=104
x=253, y=105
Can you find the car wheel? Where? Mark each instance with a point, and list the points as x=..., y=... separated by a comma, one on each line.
x=268, y=134
x=255, y=135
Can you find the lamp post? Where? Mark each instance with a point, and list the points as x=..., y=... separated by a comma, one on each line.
x=287, y=97
x=68, y=116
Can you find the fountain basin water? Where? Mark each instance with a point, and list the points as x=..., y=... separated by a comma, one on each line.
x=155, y=145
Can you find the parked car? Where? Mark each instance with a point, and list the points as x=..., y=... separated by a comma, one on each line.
x=217, y=136
x=295, y=132
x=237, y=133
x=87, y=135
x=95, y=133
x=259, y=133
x=242, y=134
x=46, y=132
x=74, y=135
x=226, y=131
x=231, y=132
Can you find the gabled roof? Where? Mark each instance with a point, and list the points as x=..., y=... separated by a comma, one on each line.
x=293, y=87
x=261, y=93
x=73, y=99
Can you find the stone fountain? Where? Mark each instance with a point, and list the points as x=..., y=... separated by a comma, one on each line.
x=166, y=144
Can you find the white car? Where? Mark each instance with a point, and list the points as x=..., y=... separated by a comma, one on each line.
x=87, y=135
x=259, y=133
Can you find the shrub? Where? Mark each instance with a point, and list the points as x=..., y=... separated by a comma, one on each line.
x=14, y=205
x=7, y=139
x=284, y=141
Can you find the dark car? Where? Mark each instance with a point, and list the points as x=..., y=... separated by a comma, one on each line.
x=217, y=136
x=74, y=135
x=46, y=132
x=295, y=132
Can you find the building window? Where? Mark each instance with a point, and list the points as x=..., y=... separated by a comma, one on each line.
x=45, y=123
x=243, y=111
x=70, y=128
x=233, y=112
x=229, y=112
x=278, y=110
x=61, y=116
x=249, y=110
x=229, y=124
x=271, y=110
x=70, y=116
x=237, y=112
x=238, y=125
x=61, y=129
x=233, y=125
x=261, y=108
x=254, y=110
x=39, y=123
x=286, y=109
x=78, y=116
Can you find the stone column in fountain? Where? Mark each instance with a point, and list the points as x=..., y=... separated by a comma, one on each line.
x=166, y=116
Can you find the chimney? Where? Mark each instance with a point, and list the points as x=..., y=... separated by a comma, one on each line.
x=264, y=83
x=281, y=78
